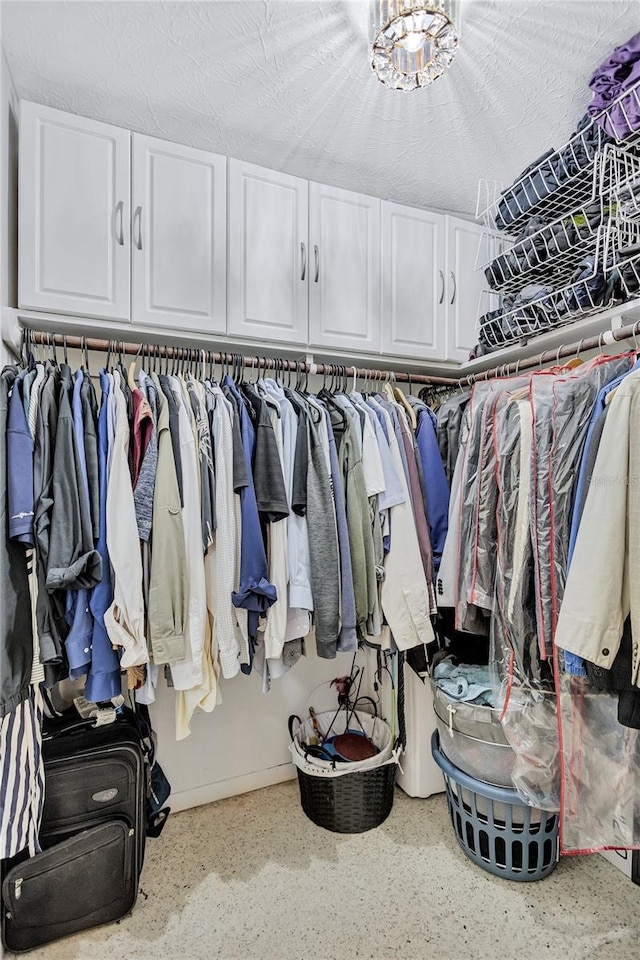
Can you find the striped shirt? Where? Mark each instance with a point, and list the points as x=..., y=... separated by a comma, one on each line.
x=21, y=776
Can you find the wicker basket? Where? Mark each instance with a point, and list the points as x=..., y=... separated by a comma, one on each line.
x=346, y=797
x=353, y=803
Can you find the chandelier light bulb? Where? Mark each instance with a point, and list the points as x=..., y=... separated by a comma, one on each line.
x=412, y=43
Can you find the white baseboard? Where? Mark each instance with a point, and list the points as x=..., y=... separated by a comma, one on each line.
x=210, y=792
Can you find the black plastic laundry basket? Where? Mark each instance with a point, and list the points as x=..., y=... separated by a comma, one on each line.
x=351, y=803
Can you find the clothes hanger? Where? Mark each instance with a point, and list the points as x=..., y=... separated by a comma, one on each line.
x=401, y=398
x=328, y=398
x=131, y=375
x=23, y=351
x=85, y=357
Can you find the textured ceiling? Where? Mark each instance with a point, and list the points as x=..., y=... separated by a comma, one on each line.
x=288, y=84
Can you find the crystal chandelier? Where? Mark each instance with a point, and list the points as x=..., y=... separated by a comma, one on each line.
x=413, y=43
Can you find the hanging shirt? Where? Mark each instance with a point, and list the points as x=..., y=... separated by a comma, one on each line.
x=174, y=429
x=103, y=680
x=79, y=618
x=300, y=596
x=19, y=468
x=436, y=487
x=254, y=593
x=404, y=592
x=142, y=423
x=323, y=535
x=347, y=639
x=124, y=619
x=89, y=406
x=16, y=635
x=275, y=632
x=223, y=565
x=72, y=561
x=49, y=613
x=167, y=581
x=189, y=672
x=195, y=392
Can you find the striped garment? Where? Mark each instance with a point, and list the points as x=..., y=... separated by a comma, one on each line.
x=21, y=776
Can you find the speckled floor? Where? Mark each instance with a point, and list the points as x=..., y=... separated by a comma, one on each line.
x=251, y=877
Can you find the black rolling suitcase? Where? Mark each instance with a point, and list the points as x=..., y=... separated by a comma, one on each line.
x=92, y=836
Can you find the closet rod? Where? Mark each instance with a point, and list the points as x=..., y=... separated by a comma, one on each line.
x=266, y=363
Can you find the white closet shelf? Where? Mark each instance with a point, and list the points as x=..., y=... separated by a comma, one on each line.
x=590, y=326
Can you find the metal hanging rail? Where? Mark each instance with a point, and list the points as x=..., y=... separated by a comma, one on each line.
x=194, y=355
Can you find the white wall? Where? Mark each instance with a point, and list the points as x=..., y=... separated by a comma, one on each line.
x=8, y=187
x=8, y=194
x=243, y=744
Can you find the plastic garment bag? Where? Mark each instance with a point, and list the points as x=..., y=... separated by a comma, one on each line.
x=523, y=688
x=562, y=404
x=477, y=524
x=601, y=770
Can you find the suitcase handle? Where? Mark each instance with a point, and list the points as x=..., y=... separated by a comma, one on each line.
x=71, y=728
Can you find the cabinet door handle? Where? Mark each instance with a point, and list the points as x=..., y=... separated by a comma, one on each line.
x=441, y=275
x=455, y=287
x=317, y=256
x=138, y=217
x=119, y=225
x=303, y=254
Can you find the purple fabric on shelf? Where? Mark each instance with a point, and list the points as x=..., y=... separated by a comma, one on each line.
x=618, y=74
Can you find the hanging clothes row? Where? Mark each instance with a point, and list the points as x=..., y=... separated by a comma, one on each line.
x=537, y=559
x=206, y=526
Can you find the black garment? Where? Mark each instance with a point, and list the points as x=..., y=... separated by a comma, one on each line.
x=174, y=430
x=536, y=243
x=90, y=419
x=448, y=426
x=550, y=171
x=73, y=563
x=301, y=457
x=240, y=477
x=268, y=481
x=205, y=460
x=52, y=627
x=618, y=680
x=16, y=635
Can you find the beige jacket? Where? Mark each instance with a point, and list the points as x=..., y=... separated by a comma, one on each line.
x=606, y=558
x=168, y=583
x=404, y=594
x=124, y=620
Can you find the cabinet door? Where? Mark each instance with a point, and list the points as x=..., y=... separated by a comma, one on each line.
x=413, y=282
x=179, y=236
x=268, y=255
x=344, y=278
x=74, y=215
x=465, y=286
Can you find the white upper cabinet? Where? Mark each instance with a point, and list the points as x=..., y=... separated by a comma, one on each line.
x=464, y=287
x=268, y=254
x=123, y=227
x=344, y=269
x=179, y=237
x=74, y=215
x=413, y=282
